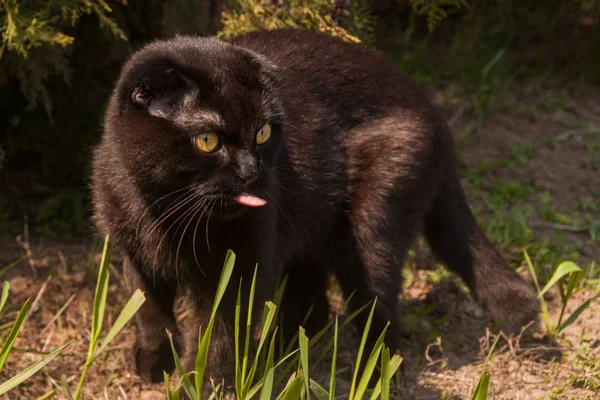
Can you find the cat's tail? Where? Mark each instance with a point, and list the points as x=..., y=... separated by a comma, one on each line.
x=459, y=242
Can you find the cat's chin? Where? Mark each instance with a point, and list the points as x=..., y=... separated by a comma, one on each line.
x=228, y=212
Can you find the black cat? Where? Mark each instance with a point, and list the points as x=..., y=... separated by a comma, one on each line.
x=299, y=151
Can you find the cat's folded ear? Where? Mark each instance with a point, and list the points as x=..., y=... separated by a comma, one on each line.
x=268, y=71
x=159, y=91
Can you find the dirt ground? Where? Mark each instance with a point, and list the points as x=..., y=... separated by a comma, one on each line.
x=447, y=337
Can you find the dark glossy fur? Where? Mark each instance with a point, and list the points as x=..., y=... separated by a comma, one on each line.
x=358, y=164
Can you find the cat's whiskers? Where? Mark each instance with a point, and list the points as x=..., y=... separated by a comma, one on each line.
x=149, y=208
x=207, y=220
x=275, y=115
x=196, y=209
x=181, y=218
x=281, y=186
x=288, y=124
x=176, y=205
x=172, y=205
x=194, y=238
x=185, y=213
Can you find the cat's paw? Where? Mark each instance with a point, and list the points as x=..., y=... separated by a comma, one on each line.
x=512, y=305
x=149, y=364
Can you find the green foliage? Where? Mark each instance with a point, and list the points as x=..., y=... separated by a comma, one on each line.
x=35, y=44
x=248, y=382
x=352, y=22
x=435, y=10
x=569, y=279
x=23, y=375
x=62, y=215
x=128, y=311
x=95, y=348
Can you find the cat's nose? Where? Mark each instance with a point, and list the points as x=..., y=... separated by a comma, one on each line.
x=247, y=174
x=249, y=181
x=247, y=169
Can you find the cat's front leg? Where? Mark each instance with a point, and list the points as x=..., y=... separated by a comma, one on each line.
x=220, y=362
x=152, y=351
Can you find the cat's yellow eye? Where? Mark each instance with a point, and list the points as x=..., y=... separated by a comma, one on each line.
x=207, y=142
x=264, y=134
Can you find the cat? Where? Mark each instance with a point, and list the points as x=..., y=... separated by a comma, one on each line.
x=301, y=152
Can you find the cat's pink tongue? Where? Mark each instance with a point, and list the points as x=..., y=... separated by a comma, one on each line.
x=250, y=200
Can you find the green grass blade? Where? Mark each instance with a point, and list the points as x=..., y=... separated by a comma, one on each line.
x=100, y=298
x=224, y=280
x=204, y=344
x=182, y=381
x=355, y=314
x=385, y=374
x=248, y=330
x=187, y=385
x=531, y=270
x=318, y=390
x=303, y=344
x=66, y=387
x=543, y=304
x=269, y=313
x=269, y=375
x=394, y=365
x=217, y=393
x=333, y=361
x=370, y=365
x=481, y=390
x=128, y=311
x=573, y=283
x=329, y=345
x=239, y=377
x=563, y=269
x=361, y=349
x=497, y=57
x=573, y=317
x=14, y=332
x=280, y=291
x=12, y=265
x=47, y=395
x=278, y=298
x=293, y=389
x=5, y=291
x=168, y=386
x=30, y=370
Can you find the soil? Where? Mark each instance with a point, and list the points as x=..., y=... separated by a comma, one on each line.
x=450, y=337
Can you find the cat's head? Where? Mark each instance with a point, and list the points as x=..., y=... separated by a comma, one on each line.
x=198, y=117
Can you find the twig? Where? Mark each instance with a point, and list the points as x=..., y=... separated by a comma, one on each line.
x=450, y=377
x=39, y=295
x=561, y=227
x=23, y=241
x=456, y=116
x=47, y=341
x=438, y=344
x=527, y=351
x=62, y=309
x=572, y=133
x=122, y=391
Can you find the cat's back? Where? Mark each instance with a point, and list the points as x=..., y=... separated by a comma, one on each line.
x=334, y=71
